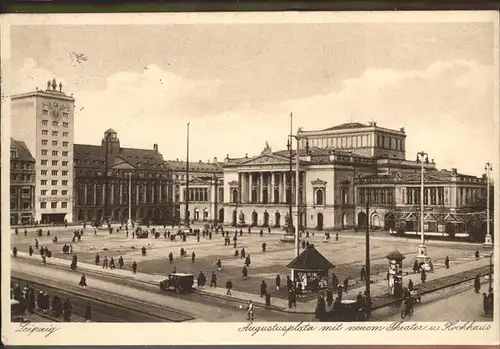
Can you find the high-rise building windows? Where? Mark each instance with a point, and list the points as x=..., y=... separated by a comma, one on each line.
x=65, y=134
x=53, y=205
x=53, y=192
x=45, y=142
x=44, y=152
x=54, y=162
x=64, y=173
x=43, y=162
x=54, y=182
x=43, y=205
x=65, y=115
x=64, y=153
x=54, y=143
x=45, y=132
x=43, y=182
x=64, y=205
x=54, y=172
x=65, y=124
x=43, y=192
x=55, y=153
x=65, y=144
x=55, y=133
x=64, y=192
x=55, y=123
x=43, y=172
x=45, y=112
x=65, y=163
x=64, y=182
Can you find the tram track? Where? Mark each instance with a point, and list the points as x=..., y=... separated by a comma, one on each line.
x=113, y=309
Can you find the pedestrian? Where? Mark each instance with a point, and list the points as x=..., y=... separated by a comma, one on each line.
x=477, y=283
x=30, y=250
x=320, y=308
x=143, y=251
x=485, y=304
x=289, y=283
x=74, y=262
x=120, y=262
x=105, y=263
x=410, y=285
x=171, y=257
x=112, y=263
x=36, y=243
x=250, y=311
x=244, y=272
x=242, y=254
x=263, y=288
x=213, y=281
x=335, y=281
x=363, y=273
x=303, y=244
x=193, y=256
x=447, y=262
x=83, y=281
x=346, y=284
x=423, y=275
x=219, y=265
x=229, y=286
x=278, y=282
x=134, y=268
x=415, y=266
x=263, y=247
x=14, y=251
x=67, y=308
x=247, y=261
x=476, y=254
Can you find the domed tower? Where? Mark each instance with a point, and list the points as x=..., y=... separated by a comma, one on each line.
x=111, y=137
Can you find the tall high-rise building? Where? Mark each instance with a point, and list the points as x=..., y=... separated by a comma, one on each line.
x=44, y=121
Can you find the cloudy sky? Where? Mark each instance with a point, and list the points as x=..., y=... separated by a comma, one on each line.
x=238, y=83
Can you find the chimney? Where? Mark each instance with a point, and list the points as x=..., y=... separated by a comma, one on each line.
x=454, y=172
x=155, y=147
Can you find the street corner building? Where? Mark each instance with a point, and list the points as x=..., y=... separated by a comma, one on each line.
x=117, y=184
x=22, y=184
x=343, y=168
x=43, y=121
x=205, y=183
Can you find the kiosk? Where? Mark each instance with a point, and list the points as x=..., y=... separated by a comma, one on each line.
x=395, y=273
x=310, y=268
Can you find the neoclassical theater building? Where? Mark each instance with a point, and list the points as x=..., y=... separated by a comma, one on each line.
x=340, y=169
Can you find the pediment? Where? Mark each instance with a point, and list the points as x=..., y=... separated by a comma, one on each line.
x=120, y=164
x=265, y=159
x=318, y=182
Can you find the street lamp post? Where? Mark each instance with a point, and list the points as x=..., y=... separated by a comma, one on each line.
x=290, y=228
x=105, y=191
x=422, y=256
x=187, y=178
x=367, y=254
x=488, y=241
x=130, y=198
x=490, y=273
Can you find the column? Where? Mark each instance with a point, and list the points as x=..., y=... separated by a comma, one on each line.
x=272, y=187
x=247, y=187
x=85, y=194
x=153, y=187
x=250, y=180
x=283, y=193
x=112, y=194
x=261, y=188
x=95, y=195
x=121, y=193
x=160, y=198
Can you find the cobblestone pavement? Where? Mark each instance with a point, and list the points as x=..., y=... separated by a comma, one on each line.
x=347, y=254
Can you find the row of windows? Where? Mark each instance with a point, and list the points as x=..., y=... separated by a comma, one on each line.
x=64, y=114
x=197, y=194
x=55, y=143
x=55, y=123
x=120, y=194
x=24, y=191
x=53, y=172
x=357, y=142
x=53, y=182
x=54, y=152
x=376, y=195
x=20, y=177
x=53, y=192
x=25, y=205
x=54, y=133
x=121, y=174
x=436, y=196
x=53, y=205
x=54, y=162
x=22, y=166
x=387, y=142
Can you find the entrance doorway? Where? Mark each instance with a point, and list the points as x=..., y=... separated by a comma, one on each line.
x=255, y=218
x=319, y=219
x=266, y=219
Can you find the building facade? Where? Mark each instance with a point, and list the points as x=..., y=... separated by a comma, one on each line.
x=22, y=184
x=116, y=184
x=206, y=190
x=44, y=121
x=338, y=171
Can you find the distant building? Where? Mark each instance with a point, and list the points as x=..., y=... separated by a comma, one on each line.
x=339, y=168
x=143, y=172
x=22, y=184
x=206, y=190
x=44, y=121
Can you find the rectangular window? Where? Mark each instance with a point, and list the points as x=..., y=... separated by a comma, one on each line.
x=43, y=192
x=426, y=196
x=45, y=142
x=440, y=196
x=55, y=123
x=45, y=122
x=54, y=182
x=65, y=182
x=65, y=124
x=55, y=153
x=43, y=172
x=54, y=162
x=54, y=143
x=53, y=192
x=64, y=153
x=53, y=205
x=65, y=144
x=64, y=173
x=44, y=162
x=65, y=134
x=64, y=205
x=45, y=132
x=55, y=133
x=65, y=163
x=54, y=172
x=64, y=192
x=45, y=112
x=26, y=205
x=44, y=152
x=43, y=182
x=43, y=205
x=65, y=115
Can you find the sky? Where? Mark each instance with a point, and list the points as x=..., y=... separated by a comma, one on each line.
x=238, y=83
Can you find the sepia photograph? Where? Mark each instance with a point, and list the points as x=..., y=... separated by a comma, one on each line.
x=328, y=171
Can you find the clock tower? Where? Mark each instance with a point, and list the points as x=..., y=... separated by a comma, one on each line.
x=44, y=120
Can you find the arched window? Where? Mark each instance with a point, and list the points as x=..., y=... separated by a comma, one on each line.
x=235, y=196
x=319, y=197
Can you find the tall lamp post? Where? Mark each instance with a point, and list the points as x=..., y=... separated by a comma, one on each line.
x=129, y=199
x=488, y=241
x=367, y=253
x=290, y=228
x=297, y=192
x=105, y=192
x=422, y=257
x=187, y=178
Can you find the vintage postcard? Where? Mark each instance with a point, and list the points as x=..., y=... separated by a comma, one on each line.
x=239, y=178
